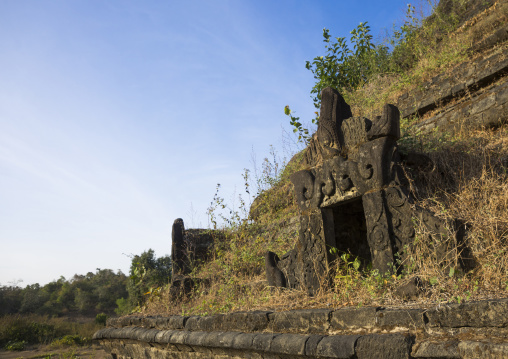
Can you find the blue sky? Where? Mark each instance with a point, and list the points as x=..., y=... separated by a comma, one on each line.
x=116, y=117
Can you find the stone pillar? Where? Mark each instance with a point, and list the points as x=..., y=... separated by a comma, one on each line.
x=378, y=230
x=400, y=215
x=312, y=251
x=178, y=247
x=389, y=225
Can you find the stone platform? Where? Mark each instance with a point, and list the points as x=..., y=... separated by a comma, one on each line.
x=468, y=330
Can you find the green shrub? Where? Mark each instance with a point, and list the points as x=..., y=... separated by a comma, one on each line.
x=67, y=340
x=123, y=306
x=147, y=273
x=20, y=329
x=39, y=329
x=15, y=346
x=101, y=319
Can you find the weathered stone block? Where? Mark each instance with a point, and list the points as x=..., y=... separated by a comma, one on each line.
x=384, y=346
x=136, y=321
x=103, y=333
x=113, y=322
x=226, y=339
x=353, y=318
x=149, y=322
x=300, y=321
x=209, y=323
x=336, y=346
x=291, y=269
x=197, y=339
x=274, y=275
x=386, y=125
x=354, y=131
x=148, y=335
x=177, y=322
x=501, y=93
x=333, y=111
x=492, y=313
x=487, y=101
x=243, y=341
x=129, y=333
x=192, y=323
x=246, y=321
x=290, y=344
x=164, y=336
x=479, y=350
x=179, y=337
x=393, y=319
x=212, y=339
x=312, y=344
x=263, y=342
x=441, y=350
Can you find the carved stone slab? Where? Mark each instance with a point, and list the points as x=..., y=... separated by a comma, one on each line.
x=354, y=163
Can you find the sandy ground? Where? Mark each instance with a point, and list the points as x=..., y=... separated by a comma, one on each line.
x=92, y=352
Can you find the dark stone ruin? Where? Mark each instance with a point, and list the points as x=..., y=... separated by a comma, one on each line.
x=353, y=197
x=190, y=248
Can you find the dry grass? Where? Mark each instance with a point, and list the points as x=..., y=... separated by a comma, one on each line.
x=469, y=183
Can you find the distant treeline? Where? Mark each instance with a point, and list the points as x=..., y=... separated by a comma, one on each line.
x=101, y=292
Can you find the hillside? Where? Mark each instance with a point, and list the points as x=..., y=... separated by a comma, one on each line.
x=453, y=103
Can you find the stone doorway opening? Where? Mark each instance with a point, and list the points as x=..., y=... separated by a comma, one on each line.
x=347, y=231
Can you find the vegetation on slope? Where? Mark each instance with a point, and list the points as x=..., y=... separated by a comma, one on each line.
x=469, y=183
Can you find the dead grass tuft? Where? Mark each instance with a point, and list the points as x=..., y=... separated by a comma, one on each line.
x=469, y=185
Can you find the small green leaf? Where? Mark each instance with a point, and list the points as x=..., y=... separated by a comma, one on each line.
x=356, y=264
x=452, y=272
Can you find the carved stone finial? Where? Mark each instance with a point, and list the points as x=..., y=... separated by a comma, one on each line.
x=333, y=111
x=386, y=125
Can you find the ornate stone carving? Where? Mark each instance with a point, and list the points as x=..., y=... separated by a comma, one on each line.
x=312, y=252
x=291, y=269
x=400, y=218
x=378, y=231
x=353, y=196
x=328, y=141
x=386, y=125
x=373, y=167
x=333, y=111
